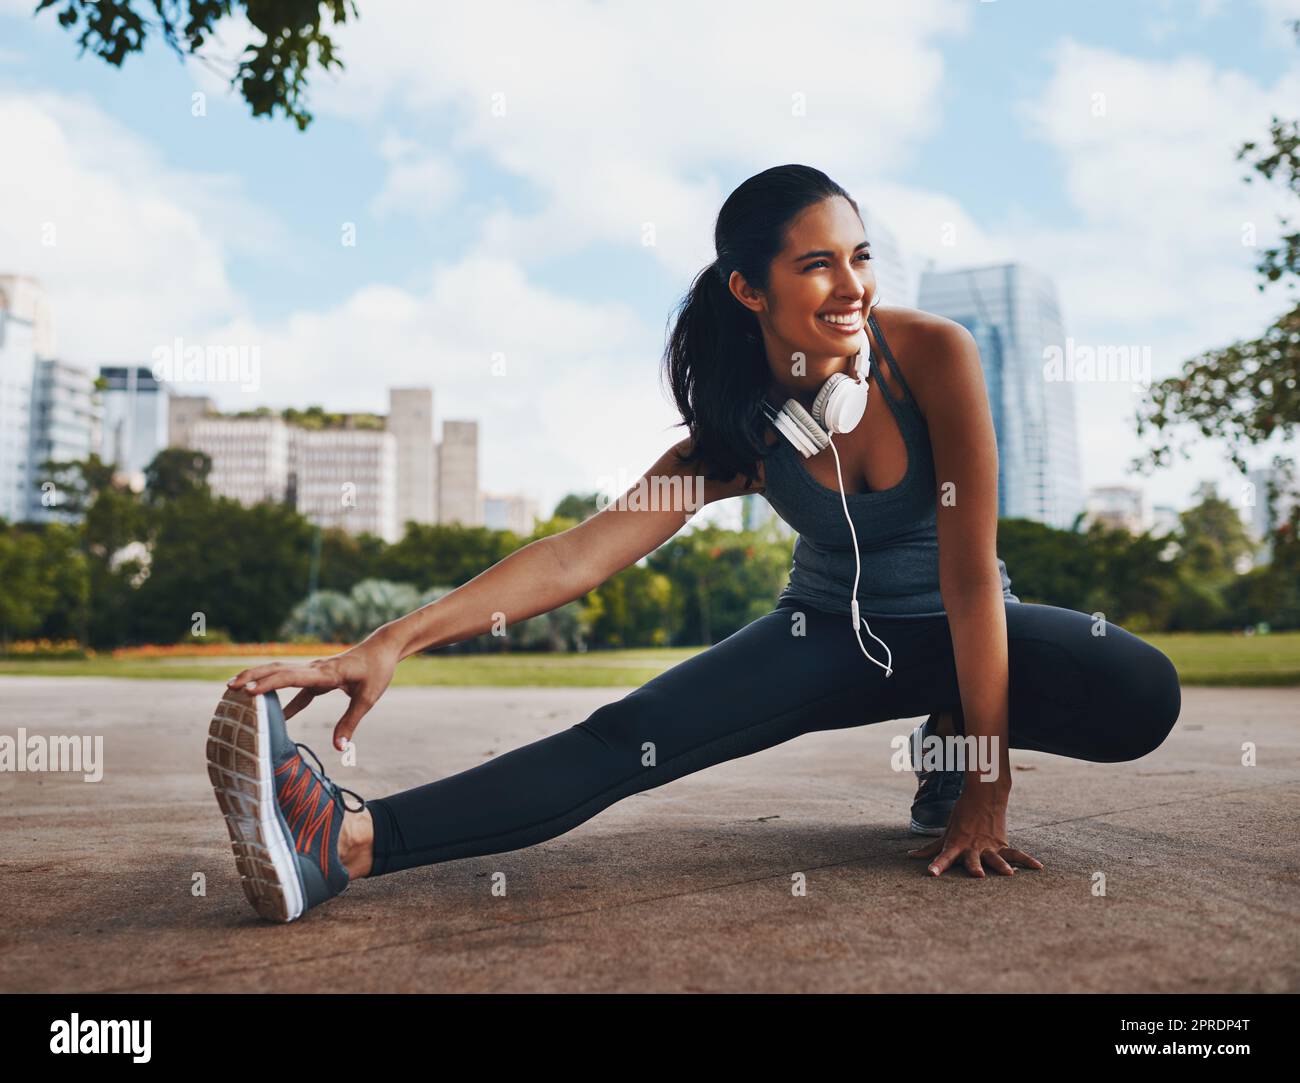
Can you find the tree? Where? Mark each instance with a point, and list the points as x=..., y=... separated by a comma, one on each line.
x=1249, y=390
x=176, y=472
x=112, y=519
x=578, y=506
x=721, y=580
x=64, y=570
x=77, y=482
x=29, y=593
x=270, y=74
x=445, y=554
x=346, y=559
x=628, y=609
x=1212, y=541
x=243, y=568
x=1127, y=578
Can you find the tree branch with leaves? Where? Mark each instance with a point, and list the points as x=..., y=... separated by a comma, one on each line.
x=271, y=74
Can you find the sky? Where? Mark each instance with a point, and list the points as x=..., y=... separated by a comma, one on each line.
x=529, y=190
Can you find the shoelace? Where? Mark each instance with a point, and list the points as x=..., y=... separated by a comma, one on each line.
x=951, y=783
x=941, y=785
x=335, y=791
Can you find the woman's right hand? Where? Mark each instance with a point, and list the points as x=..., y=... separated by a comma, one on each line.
x=363, y=672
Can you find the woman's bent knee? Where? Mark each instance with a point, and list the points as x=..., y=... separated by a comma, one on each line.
x=1149, y=704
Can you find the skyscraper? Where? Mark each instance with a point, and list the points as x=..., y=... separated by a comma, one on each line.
x=459, y=499
x=65, y=419
x=1012, y=312
x=17, y=364
x=135, y=419
x=410, y=420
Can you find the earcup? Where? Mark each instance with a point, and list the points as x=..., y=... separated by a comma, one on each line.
x=809, y=437
x=840, y=403
x=823, y=396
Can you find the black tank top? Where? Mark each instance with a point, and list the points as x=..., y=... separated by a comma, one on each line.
x=896, y=528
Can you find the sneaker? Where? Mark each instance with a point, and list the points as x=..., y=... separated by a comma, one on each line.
x=282, y=813
x=936, y=794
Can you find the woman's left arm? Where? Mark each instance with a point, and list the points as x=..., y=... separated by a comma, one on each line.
x=951, y=394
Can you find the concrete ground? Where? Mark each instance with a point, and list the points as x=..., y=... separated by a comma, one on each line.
x=686, y=887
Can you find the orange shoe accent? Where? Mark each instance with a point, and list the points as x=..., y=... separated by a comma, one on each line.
x=301, y=810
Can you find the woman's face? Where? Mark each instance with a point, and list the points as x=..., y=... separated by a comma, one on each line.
x=822, y=271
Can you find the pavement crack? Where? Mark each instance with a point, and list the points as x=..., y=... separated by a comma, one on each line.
x=1161, y=804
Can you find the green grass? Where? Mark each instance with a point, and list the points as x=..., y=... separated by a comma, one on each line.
x=1201, y=658
x=599, y=669
x=1215, y=659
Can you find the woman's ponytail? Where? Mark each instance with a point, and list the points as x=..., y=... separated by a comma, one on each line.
x=717, y=371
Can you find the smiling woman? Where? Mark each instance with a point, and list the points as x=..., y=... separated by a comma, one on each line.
x=774, y=330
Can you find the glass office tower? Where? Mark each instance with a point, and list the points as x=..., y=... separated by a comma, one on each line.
x=1012, y=312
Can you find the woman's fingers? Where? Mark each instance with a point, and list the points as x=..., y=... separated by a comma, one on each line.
x=347, y=725
x=944, y=860
x=998, y=863
x=299, y=702
x=258, y=674
x=266, y=678
x=253, y=673
x=284, y=677
x=1019, y=857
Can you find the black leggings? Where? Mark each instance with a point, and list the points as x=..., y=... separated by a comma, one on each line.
x=1074, y=693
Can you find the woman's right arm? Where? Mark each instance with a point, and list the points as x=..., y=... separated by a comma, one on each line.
x=558, y=569
x=541, y=576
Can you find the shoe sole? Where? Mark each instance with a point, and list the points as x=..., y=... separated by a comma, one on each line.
x=921, y=829
x=239, y=767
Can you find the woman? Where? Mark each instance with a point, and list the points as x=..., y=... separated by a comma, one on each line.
x=907, y=497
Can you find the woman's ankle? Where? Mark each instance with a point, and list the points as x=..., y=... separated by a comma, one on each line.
x=356, y=843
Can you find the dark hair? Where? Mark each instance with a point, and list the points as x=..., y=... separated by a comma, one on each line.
x=715, y=360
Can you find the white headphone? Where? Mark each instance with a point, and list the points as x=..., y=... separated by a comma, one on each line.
x=837, y=407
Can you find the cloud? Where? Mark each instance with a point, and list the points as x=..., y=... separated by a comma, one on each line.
x=1156, y=257
x=130, y=250
x=1147, y=150
x=609, y=113
x=418, y=182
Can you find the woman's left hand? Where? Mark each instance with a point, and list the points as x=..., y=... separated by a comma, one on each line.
x=977, y=832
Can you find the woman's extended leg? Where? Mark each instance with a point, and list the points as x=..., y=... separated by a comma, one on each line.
x=789, y=672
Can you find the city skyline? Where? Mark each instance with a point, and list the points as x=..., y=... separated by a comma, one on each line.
x=401, y=473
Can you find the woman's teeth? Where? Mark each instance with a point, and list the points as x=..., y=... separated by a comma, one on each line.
x=847, y=322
